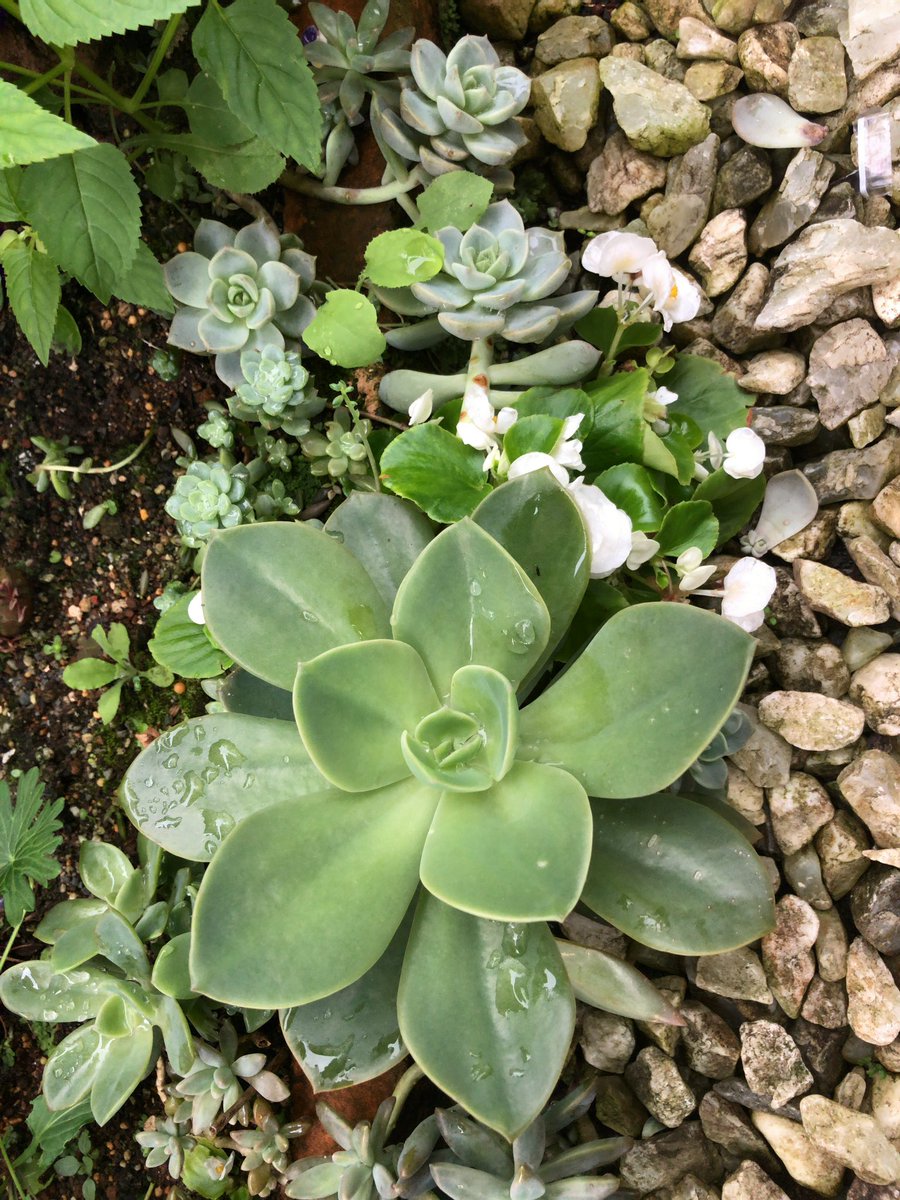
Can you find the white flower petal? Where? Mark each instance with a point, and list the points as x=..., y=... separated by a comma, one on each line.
x=609, y=528
x=745, y=454
x=533, y=461
x=643, y=548
x=421, y=408
x=617, y=254
x=748, y=588
x=195, y=610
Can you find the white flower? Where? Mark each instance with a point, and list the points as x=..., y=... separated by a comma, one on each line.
x=748, y=588
x=566, y=452
x=421, y=409
x=674, y=297
x=664, y=395
x=609, y=528
x=195, y=610
x=643, y=549
x=480, y=427
x=742, y=456
x=533, y=461
x=689, y=566
x=617, y=254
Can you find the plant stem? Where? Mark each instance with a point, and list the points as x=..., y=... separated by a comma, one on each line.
x=111, y=96
x=405, y=1085
x=67, y=95
x=480, y=359
x=344, y=195
x=159, y=54
x=12, y=1171
x=253, y=207
x=9, y=944
x=12, y=8
x=98, y=470
x=47, y=77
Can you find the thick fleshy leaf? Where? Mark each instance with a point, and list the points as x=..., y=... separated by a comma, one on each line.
x=191, y=786
x=385, y=533
x=305, y=897
x=642, y=701
x=242, y=692
x=465, y=1183
x=486, y=1010
x=72, y=1067
x=606, y=982
x=516, y=852
x=122, y=1066
x=104, y=869
x=38, y=992
x=536, y=521
x=675, y=876
x=370, y=692
x=352, y=1035
x=171, y=972
x=278, y=594
x=465, y=601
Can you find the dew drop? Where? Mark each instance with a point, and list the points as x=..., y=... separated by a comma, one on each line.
x=474, y=588
x=310, y=616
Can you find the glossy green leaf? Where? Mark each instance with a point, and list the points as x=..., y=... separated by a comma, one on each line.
x=466, y=1183
x=457, y=199
x=314, y=863
x=72, y=1067
x=486, y=1010
x=191, y=786
x=171, y=972
x=636, y=708
x=104, y=869
x=30, y=134
x=538, y=433
x=352, y=1035
x=177, y=1037
x=430, y=466
x=378, y=688
x=555, y=402
x=630, y=487
x=253, y=52
x=123, y=1064
x=488, y=697
x=67, y=338
x=400, y=257
x=637, y=335
x=112, y=1019
x=516, y=852
x=345, y=330
x=536, y=521
x=76, y=946
x=66, y=915
x=69, y=22
x=607, y=982
x=691, y=523
x=36, y=991
x=599, y=327
x=617, y=434
x=278, y=594
x=675, y=876
x=117, y=941
x=734, y=501
x=86, y=208
x=708, y=395
x=184, y=646
x=242, y=692
x=465, y=601
x=33, y=288
x=385, y=533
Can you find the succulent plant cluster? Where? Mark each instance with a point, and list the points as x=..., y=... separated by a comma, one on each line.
x=207, y=497
x=238, y=291
x=340, y=453
x=277, y=391
x=458, y=109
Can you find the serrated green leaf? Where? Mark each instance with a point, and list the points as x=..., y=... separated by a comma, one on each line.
x=32, y=282
x=457, y=198
x=68, y=22
x=10, y=182
x=28, y=841
x=30, y=134
x=246, y=167
x=66, y=334
x=144, y=284
x=400, y=257
x=52, y=1131
x=435, y=470
x=255, y=56
x=345, y=330
x=87, y=211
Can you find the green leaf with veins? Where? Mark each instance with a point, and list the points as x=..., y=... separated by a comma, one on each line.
x=440, y=474
x=34, y=289
x=30, y=134
x=630, y=487
x=76, y=21
x=29, y=839
x=691, y=523
x=457, y=199
x=400, y=257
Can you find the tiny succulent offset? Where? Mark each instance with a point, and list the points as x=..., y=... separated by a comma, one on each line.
x=238, y=291
x=423, y=867
x=276, y=392
x=209, y=496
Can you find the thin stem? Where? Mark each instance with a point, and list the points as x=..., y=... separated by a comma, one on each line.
x=98, y=470
x=14, y=70
x=9, y=1167
x=480, y=359
x=47, y=77
x=405, y=1085
x=387, y=421
x=159, y=54
x=344, y=195
x=410, y=207
x=9, y=944
x=12, y=8
x=116, y=99
x=252, y=206
x=67, y=95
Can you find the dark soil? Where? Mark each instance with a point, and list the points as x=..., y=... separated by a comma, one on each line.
x=106, y=400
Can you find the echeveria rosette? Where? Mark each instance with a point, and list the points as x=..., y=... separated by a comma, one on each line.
x=498, y=278
x=239, y=291
x=412, y=764
x=457, y=107
x=276, y=391
x=207, y=497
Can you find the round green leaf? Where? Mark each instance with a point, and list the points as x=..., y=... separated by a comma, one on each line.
x=630, y=487
x=430, y=466
x=352, y=1035
x=486, y=1010
x=457, y=199
x=467, y=601
x=606, y=982
x=691, y=523
x=734, y=501
x=197, y=781
x=707, y=394
x=385, y=533
x=184, y=646
x=674, y=875
x=345, y=330
x=516, y=852
x=539, y=433
x=104, y=869
x=277, y=594
x=378, y=688
x=403, y=256
x=305, y=897
x=641, y=702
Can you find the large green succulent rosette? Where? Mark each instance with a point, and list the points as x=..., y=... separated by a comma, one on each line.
x=407, y=839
